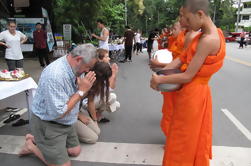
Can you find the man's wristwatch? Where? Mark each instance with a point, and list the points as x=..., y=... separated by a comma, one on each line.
x=81, y=93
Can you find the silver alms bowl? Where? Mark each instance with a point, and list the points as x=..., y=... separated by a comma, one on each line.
x=169, y=87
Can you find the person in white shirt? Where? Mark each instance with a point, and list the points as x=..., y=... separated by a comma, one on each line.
x=104, y=35
x=12, y=40
x=137, y=38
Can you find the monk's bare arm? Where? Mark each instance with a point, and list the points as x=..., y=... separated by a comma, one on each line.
x=175, y=64
x=189, y=37
x=205, y=47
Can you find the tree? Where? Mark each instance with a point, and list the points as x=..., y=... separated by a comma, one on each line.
x=142, y=14
x=83, y=15
x=223, y=14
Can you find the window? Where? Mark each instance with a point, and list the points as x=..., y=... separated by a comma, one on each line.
x=247, y=5
x=245, y=17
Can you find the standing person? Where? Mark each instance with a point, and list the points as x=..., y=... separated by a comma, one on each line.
x=40, y=45
x=56, y=106
x=12, y=40
x=191, y=144
x=104, y=35
x=151, y=38
x=128, y=39
x=138, y=41
x=242, y=36
x=142, y=43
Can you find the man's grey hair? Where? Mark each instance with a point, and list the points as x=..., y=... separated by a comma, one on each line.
x=86, y=51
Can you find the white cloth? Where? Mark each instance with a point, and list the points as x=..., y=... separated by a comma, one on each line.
x=10, y=88
x=155, y=46
x=104, y=44
x=14, y=42
x=137, y=37
x=116, y=47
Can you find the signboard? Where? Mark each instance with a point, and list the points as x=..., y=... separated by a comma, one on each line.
x=21, y=3
x=50, y=38
x=26, y=26
x=67, y=31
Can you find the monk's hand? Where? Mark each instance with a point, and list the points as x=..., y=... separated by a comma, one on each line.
x=154, y=63
x=155, y=82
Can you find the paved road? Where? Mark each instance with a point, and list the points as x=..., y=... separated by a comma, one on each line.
x=137, y=122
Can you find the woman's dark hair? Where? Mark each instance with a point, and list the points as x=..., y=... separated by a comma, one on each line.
x=11, y=22
x=101, y=86
x=101, y=53
x=38, y=24
x=100, y=21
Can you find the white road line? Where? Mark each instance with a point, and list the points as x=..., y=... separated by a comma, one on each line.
x=138, y=154
x=239, y=61
x=237, y=123
x=21, y=112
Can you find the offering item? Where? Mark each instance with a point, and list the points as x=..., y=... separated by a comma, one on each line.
x=163, y=56
x=15, y=75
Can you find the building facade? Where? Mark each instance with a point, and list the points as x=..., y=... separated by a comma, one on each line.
x=5, y=9
x=245, y=14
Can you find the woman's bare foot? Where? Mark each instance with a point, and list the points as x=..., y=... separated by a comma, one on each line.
x=27, y=148
x=31, y=137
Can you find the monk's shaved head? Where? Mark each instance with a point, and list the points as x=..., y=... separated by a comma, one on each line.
x=196, y=5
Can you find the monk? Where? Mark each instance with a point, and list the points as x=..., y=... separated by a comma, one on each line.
x=177, y=45
x=171, y=38
x=172, y=46
x=162, y=39
x=184, y=36
x=189, y=137
x=182, y=41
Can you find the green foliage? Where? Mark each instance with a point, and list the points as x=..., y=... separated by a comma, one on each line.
x=142, y=14
x=224, y=14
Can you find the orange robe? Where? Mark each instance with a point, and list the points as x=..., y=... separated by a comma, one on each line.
x=189, y=139
x=176, y=47
x=177, y=44
x=160, y=42
x=171, y=40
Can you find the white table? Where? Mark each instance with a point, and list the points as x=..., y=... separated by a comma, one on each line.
x=10, y=88
x=117, y=52
x=116, y=47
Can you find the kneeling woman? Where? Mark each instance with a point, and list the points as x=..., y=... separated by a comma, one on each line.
x=87, y=126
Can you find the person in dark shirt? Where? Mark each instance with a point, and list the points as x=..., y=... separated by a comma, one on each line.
x=40, y=45
x=129, y=36
x=151, y=38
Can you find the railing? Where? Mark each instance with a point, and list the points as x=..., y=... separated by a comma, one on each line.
x=245, y=21
x=246, y=9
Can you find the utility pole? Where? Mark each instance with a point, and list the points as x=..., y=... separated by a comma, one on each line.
x=146, y=25
x=126, y=12
x=214, y=13
x=238, y=16
x=158, y=17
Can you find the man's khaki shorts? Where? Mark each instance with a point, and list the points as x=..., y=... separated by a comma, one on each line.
x=53, y=140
